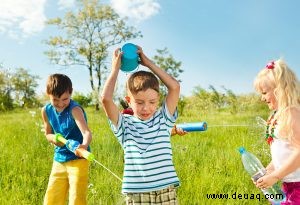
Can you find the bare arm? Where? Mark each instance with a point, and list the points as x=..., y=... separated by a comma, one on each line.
x=50, y=136
x=172, y=84
x=110, y=108
x=270, y=168
x=292, y=162
x=83, y=127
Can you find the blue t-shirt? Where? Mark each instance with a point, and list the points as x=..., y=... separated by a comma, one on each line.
x=147, y=151
x=64, y=123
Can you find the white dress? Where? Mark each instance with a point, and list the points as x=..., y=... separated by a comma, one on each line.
x=281, y=149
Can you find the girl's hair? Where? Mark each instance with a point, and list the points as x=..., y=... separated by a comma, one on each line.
x=141, y=81
x=286, y=87
x=58, y=84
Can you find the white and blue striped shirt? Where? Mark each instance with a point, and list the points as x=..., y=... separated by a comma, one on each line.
x=147, y=149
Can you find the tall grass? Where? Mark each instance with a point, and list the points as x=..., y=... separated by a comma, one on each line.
x=206, y=162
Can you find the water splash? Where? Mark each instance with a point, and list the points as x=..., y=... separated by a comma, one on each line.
x=257, y=128
x=226, y=125
x=260, y=122
x=261, y=128
x=108, y=170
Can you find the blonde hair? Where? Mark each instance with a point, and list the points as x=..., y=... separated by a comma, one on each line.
x=286, y=87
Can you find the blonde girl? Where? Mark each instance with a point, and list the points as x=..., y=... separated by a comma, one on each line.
x=280, y=89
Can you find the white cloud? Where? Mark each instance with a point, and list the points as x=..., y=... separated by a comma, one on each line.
x=138, y=10
x=22, y=18
x=66, y=4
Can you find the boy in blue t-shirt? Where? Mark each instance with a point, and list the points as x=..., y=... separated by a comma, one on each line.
x=149, y=174
x=64, y=116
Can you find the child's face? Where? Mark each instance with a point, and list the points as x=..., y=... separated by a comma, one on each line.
x=144, y=104
x=267, y=95
x=60, y=103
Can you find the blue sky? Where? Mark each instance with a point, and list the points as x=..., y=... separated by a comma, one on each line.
x=220, y=43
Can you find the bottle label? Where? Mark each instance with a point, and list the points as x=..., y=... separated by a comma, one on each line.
x=258, y=175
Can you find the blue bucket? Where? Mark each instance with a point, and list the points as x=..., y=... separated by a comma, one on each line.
x=130, y=58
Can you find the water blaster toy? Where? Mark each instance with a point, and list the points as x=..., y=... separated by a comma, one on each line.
x=73, y=146
x=193, y=127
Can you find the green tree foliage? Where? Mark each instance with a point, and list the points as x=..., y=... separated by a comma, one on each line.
x=231, y=100
x=83, y=100
x=251, y=102
x=216, y=98
x=182, y=104
x=17, y=89
x=166, y=62
x=6, y=101
x=24, y=85
x=201, y=98
x=213, y=100
x=88, y=34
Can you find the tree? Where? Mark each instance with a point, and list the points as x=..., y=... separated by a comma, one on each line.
x=24, y=85
x=89, y=34
x=202, y=98
x=216, y=98
x=6, y=101
x=231, y=100
x=83, y=100
x=166, y=62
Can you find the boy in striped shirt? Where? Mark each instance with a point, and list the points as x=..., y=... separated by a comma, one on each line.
x=149, y=175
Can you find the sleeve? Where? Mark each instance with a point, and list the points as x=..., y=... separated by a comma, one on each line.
x=119, y=129
x=170, y=119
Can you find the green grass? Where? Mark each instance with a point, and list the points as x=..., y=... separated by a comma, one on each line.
x=206, y=162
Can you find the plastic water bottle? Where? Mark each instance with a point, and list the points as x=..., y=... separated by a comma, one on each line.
x=256, y=170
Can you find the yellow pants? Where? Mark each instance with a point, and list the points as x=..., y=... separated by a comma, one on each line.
x=70, y=176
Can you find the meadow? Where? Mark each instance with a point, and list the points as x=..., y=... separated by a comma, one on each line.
x=207, y=162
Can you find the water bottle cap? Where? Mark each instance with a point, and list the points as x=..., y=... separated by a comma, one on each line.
x=242, y=150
